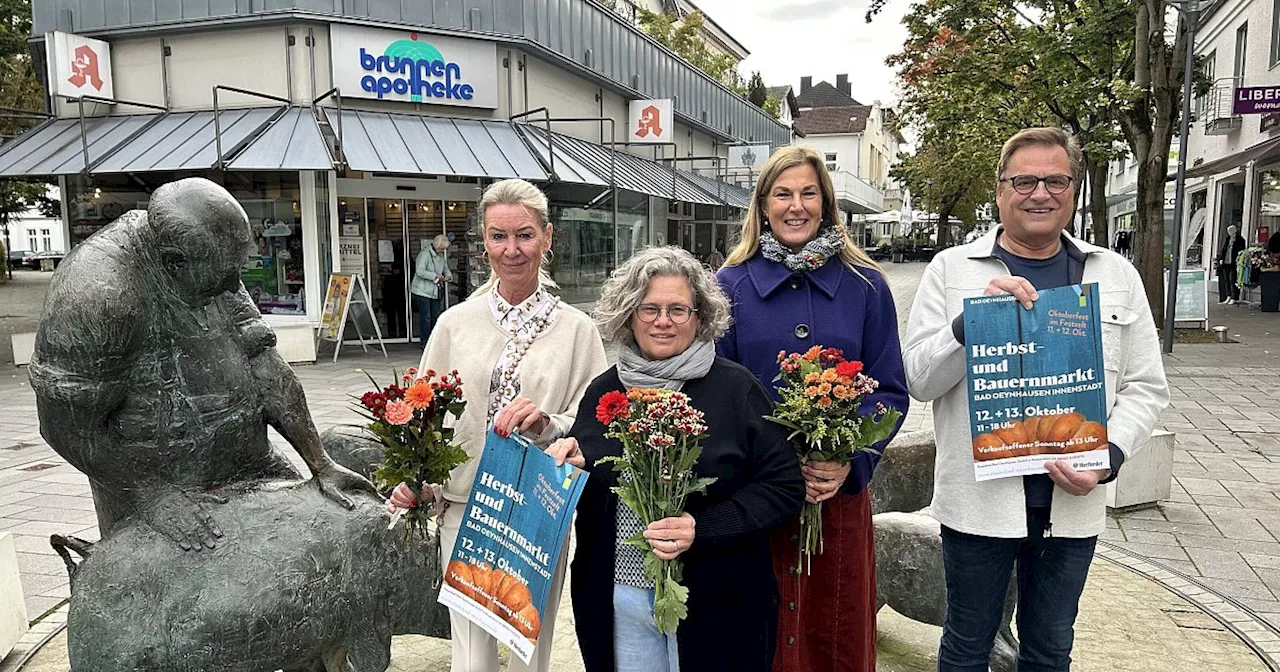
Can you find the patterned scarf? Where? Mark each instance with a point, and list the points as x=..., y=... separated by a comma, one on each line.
x=812, y=256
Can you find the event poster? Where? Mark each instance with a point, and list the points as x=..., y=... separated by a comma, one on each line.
x=1036, y=382
x=513, y=532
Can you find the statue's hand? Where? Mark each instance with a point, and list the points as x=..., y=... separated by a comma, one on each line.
x=334, y=480
x=183, y=519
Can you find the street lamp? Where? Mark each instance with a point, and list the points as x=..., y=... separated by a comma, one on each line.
x=1192, y=10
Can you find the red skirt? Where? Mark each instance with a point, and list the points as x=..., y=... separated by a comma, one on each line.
x=827, y=619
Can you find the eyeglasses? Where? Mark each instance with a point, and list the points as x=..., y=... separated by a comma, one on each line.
x=679, y=314
x=1026, y=184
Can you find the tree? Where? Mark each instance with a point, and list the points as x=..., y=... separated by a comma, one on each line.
x=19, y=90
x=684, y=37
x=757, y=92
x=1102, y=68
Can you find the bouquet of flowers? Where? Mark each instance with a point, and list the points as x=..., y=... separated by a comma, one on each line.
x=821, y=394
x=407, y=417
x=661, y=436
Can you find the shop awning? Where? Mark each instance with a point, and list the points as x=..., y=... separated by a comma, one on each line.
x=187, y=141
x=631, y=172
x=1263, y=151
x=57, y=147
x=565, y=165
x=292, y=142
x=382, y=142
x=732, y=195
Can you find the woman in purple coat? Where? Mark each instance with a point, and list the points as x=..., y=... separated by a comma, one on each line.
x=795, y=280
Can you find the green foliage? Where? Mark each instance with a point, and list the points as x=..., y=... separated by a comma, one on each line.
x=773, y=106
x=19, y=90
x=757, y=92
x=684, y=37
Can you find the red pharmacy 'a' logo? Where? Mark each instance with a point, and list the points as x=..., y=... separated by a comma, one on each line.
x=650, y=122
x=84, y=68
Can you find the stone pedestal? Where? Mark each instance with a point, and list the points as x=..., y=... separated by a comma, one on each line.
x=13, y=613
x=1145, y=478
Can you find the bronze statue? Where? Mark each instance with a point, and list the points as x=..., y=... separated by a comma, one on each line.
x=156, y=376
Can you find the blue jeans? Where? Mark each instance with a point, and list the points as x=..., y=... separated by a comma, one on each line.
x=1051, y=576
x=428, y=312
x=637, y=644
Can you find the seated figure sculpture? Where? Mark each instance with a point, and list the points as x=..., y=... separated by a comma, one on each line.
x=156, y=376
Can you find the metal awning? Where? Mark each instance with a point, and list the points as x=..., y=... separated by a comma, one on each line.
x=292, y=142
x=732, y=195
x=567, y=168
x=630, y=171
x=58, y=147
x=382, y=142
x=187, y=141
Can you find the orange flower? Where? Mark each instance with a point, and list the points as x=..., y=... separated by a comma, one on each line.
x=420, y=394
x=824, y=402
x=399, y=412
x=812, y=353
x=829, y=376
x=840, y=391
x=824, y=388
x=634, y=393
x=811, y=391
x=814, y=377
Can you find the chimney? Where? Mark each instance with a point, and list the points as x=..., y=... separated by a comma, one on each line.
x=842, y=84
x=806, y=83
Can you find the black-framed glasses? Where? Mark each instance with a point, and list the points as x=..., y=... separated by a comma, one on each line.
x=1026, y=184
x=679, y=313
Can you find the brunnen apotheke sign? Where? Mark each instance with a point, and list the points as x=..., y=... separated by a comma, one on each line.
x=413, y=67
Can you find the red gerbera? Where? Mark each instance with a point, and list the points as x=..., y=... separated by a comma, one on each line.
x=613, y=405
x=848, y=369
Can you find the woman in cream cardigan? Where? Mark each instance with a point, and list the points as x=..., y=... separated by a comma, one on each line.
x=525, y=360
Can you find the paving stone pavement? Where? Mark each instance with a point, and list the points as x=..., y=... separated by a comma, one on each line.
x=1219, y=526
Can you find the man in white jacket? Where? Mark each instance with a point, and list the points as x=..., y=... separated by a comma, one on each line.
x=1047, y=525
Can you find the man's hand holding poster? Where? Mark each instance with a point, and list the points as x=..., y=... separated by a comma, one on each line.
x=1036, y=382
x=513, y=533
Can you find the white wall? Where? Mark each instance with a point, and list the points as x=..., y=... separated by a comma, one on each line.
x=848, y=149
x=1220, y=36
x=32, y=223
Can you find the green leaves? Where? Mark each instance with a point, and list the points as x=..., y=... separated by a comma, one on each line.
x=669, y=605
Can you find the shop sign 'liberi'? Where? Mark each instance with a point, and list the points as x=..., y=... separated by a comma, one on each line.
x=414, y=67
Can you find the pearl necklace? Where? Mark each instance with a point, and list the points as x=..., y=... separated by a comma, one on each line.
x=533, y=317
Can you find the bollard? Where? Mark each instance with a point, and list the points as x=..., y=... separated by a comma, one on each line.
x=1220, y=334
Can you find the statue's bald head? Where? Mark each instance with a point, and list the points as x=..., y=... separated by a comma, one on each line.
x=202, y=234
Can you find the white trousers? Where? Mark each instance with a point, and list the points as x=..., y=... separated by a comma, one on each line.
x=475, y=650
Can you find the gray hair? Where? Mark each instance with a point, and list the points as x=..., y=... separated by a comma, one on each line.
x=624, y=291
x=522, y=193
x=440, y=238
x=1044, y=137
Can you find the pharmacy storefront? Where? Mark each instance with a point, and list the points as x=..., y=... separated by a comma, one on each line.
x=388, y=146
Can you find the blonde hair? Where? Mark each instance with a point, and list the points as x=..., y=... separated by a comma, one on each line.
x=782, y=160
x=517, y=192
x=1046, y=137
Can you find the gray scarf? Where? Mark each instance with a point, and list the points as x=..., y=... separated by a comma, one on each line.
x=670, y=373
x=828, y=243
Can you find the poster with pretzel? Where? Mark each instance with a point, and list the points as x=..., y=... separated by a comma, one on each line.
x=513, y=533
x=1037, y=389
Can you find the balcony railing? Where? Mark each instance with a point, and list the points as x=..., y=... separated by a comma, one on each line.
x=855, y=194
x=1218, y=107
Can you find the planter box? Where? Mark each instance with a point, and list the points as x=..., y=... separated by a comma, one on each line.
x=1145, y=478
x=13, y=611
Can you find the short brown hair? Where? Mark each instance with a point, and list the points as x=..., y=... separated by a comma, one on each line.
x=1053, y=137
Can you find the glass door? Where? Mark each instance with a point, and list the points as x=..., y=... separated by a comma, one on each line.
x=388, y=270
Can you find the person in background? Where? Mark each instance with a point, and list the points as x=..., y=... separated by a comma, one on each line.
x=716, y=259
x=664, y=311
x=1047, y=524
x=796, y=280
x=431, y=277
x=525, y=359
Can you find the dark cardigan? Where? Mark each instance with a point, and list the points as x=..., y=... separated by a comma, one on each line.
x=732, y=595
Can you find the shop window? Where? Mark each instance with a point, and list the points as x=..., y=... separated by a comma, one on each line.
x=274, y=274
x=1268, y=204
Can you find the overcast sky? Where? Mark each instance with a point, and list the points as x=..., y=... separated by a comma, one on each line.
x=789, y=39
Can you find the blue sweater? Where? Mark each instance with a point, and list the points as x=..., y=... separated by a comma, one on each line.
x=775, y=309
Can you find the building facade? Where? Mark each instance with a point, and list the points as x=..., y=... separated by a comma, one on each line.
x=353, y=133
x=1233, y=162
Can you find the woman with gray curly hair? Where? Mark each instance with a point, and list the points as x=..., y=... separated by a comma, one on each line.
x=664, y=311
